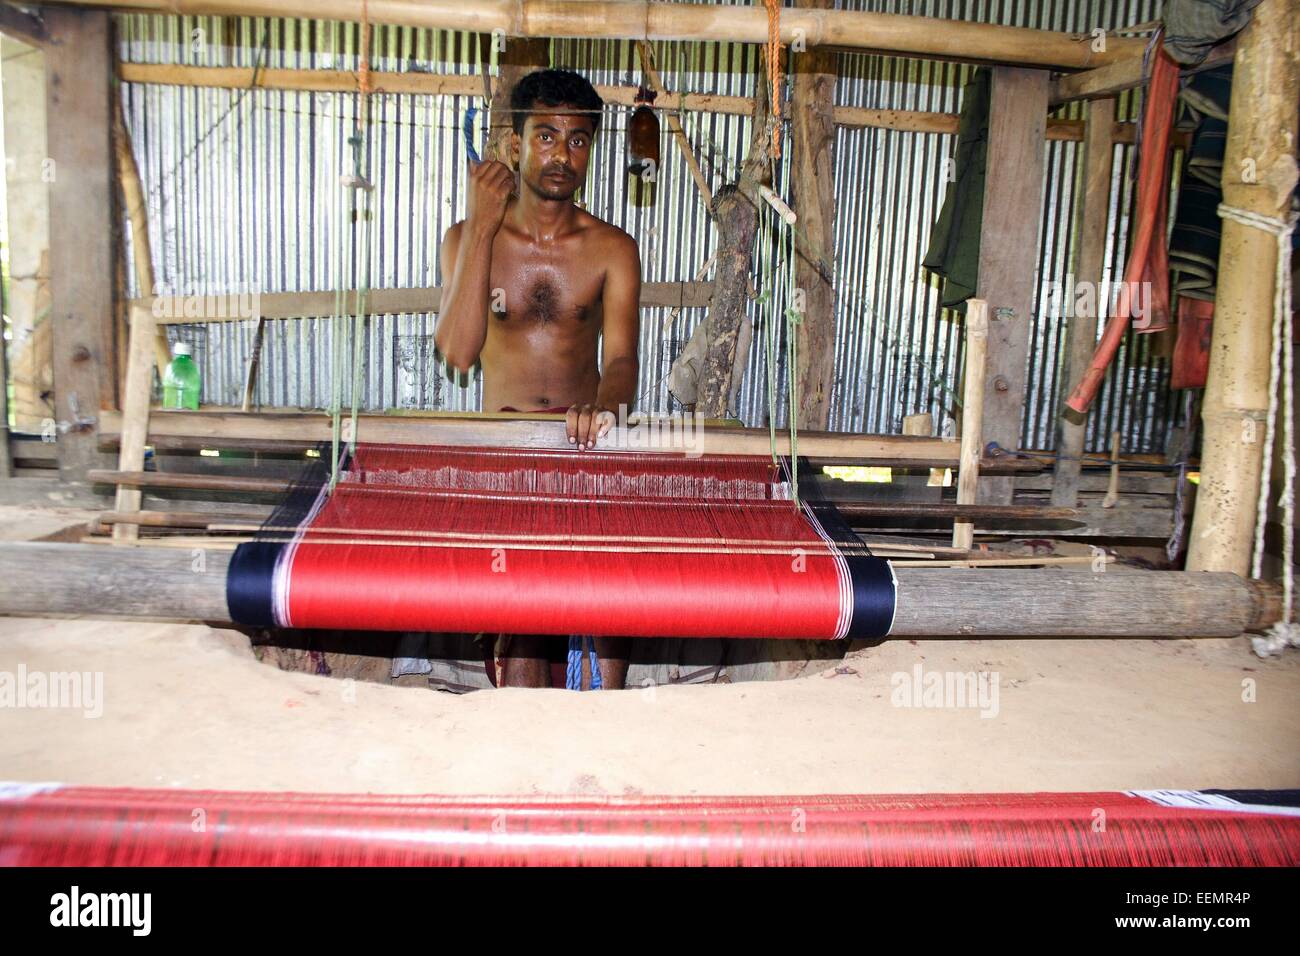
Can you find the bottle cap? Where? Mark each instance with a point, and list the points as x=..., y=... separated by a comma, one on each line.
x=181, y=348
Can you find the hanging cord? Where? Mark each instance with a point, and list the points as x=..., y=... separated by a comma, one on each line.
x=1281, y=371
x=360, y=187
x=774, y=71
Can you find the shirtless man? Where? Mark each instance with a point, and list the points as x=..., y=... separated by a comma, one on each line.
x=530, y=284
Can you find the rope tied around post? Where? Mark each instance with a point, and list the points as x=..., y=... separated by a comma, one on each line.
x=1281, y=372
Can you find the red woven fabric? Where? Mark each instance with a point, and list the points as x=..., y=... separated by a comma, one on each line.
x=105, y=827
x=610, y=543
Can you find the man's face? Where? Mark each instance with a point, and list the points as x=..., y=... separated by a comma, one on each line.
x=553, y=152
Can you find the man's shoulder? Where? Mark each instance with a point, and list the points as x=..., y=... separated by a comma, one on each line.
x=607, y=234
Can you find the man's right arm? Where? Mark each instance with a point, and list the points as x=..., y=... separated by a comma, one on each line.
x=466, y=258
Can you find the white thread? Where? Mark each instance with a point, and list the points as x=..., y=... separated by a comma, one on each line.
x=1281, y=370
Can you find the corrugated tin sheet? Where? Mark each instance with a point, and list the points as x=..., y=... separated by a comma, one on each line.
x=244, y=191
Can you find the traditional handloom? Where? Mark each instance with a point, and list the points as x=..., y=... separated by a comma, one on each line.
x=560, y=542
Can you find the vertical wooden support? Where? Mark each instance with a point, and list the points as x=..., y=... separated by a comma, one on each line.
x=1013, y=203
x=1259, y=175
x=137, y=212
x=1098, y=162
x=135, y=414
x=519, y=58
x=813, y=121
x=972, y=416
x=79, y=117
x=6, y=456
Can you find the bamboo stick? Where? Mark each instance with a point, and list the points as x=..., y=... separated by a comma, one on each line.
x=972, y=416
x=1259, y=175
x=675, y=124
x=657, y=20
x=670, y=104
x=138, y=214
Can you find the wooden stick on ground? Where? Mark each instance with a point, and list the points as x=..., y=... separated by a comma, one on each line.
x=972, y=416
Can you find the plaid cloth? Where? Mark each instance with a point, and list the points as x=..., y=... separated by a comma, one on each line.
x=1193, y=26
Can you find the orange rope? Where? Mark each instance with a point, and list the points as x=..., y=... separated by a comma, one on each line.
x=364, y=80
x=774, y=71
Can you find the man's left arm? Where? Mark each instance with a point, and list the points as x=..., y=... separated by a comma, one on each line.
x=621, y=305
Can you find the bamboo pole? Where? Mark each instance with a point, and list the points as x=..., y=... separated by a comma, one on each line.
x=972, y=416
x=39, y=578
x=135, y=416
x=657, y=20
x=670, y=104
x=1259, y=175
x=137, y=213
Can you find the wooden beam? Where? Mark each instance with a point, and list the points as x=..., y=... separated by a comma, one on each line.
x=539, y=431
x=1259, y=176
x=183, y=310
x=41, y=579
x=79, y=118
x=1013, y=201
x=135, y=413
x=1098, y=153
x=1106, y=82
x=813, y=188
x=658, y=20
x=443, y=84
x=23, y=26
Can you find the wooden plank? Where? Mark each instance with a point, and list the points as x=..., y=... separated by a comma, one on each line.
x=1013, y=198
x=543, y=431
x=1098, y=153
x=813, y=160
x=182, y=310
x=79, y=120
x=43, y=579
x=670, y=104
x=972, y=416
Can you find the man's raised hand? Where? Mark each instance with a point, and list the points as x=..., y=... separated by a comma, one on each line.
x=490, y=186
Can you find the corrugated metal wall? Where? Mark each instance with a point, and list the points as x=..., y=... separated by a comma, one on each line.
x=243, y=192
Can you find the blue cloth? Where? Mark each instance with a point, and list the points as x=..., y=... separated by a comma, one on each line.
x=573, y=672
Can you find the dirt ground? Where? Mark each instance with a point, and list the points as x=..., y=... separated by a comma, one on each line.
x=186, y=705
x=190, y=706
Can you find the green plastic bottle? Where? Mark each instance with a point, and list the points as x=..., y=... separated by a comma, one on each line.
x=181, y=384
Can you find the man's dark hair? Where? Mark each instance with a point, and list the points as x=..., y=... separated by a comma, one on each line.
x=554, y=88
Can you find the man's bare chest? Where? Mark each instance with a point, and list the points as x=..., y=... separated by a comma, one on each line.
x=540, y=290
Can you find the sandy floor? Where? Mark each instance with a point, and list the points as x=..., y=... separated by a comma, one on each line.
x=189, y=706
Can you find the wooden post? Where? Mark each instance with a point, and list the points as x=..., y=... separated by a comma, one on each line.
x=1259, y=175
x=6, y=456
x=135, y=415
x=79, y=117
x=972, y=416
x=813, y=121
x=1013, y=202
x=1098, y=153
x=519, y=58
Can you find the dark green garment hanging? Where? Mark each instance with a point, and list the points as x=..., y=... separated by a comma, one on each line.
x=954, y=252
